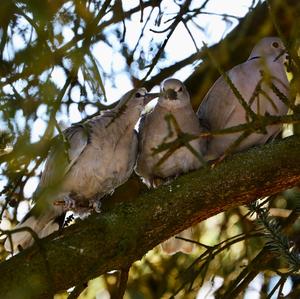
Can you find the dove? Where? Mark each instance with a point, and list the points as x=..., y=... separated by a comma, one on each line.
x=221, y=109
x=154, y=130
x=96, y=157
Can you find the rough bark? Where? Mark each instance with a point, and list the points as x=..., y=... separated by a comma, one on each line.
x=123, y=234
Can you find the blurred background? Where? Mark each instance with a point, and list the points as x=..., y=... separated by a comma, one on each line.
x=64, y=61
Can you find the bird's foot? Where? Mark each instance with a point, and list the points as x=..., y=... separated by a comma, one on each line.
x=157, y=181
x=74, y=202
x=69, y=203
x=95, y=203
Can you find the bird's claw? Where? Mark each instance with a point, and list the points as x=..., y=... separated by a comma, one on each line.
x=95, y=204
x=70, y=203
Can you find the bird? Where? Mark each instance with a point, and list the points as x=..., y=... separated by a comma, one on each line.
x=154, y=130
x=256, y=80
x=96, y=156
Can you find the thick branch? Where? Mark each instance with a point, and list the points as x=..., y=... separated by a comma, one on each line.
x=116, y=238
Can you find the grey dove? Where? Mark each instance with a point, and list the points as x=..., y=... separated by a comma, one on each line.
x=174, y=99
x=99, y=156
x=221, y=109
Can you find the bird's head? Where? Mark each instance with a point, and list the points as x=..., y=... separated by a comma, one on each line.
x=174, y=90
x=270, y=47
x=138, y=97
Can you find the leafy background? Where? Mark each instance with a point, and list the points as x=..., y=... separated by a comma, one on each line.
x=65, y=61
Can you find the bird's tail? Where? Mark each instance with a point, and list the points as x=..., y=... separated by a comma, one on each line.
x=42, y=224
x=173, y=245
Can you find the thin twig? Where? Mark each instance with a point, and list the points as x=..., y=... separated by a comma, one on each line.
x=210, y=253
x=279, y=285
x=259, y=262
x=172, y=28
x=122, y=283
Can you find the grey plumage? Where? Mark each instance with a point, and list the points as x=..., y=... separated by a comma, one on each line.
x=220, y=108
x=99, y=155
x=154, y=130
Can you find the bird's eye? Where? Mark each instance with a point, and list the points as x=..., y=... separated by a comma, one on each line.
x=138, y=95
x=180, y=89
x=275, y=44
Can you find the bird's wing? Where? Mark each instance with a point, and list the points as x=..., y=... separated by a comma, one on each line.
x=217, y=106
x=141, y=130
x=134, y=152
x=64, y=154
x=220, y=103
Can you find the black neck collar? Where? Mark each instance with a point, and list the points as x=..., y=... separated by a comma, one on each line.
x=254, y=57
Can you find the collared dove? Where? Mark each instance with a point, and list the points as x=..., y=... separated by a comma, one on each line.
x=99, y=156
x=221, y=109
x=155, y=130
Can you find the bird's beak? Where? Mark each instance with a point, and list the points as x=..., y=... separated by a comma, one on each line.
x=282, y=53
x=170, y=94
x=150, y=96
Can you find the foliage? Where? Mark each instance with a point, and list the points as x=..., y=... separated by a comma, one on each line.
x=65, y=60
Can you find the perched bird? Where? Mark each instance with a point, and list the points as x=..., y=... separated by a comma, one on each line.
x=155, y=130
x=96, y=157
x=253, y=79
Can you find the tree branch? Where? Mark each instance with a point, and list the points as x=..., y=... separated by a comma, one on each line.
x=117, y=237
